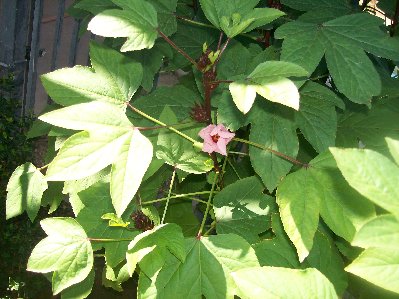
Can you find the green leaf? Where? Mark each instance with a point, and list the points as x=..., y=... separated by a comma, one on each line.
x=320, y=189
x=167, y=235
x=234, y=16
x=283, y=283
x=278, y=251
x=326, y=258
x=66, y=251
x=229, y=115
x=316, y=117
x=124, y=74
x=306, y=5
x=181, y=214
x=178, y=98
x=115, y=79
x=393, y=146
x=269, y=80
x=96, y=202
x=368, y=127
x=128, y=170
x=339, y=198
x=166, y=10
x=379, y=266
x=24, y=191
x=99, y=150
x=206, y=270
x=343, y=41
x=243, y=209
x=93, y=116
x=137, y=21
x=274, y=128
x=53, y=196
x=94, y=6
x=299, y=203
x=151, y=60
x=382, y=232
x=179, y=152
x=114, y=220
x=80, y=290
x=371, y=174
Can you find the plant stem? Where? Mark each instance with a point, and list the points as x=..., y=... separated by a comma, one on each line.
x=239, y=153
x=164, y=127
x=43, y=167
x=179, y=196
x=220, y=40
x=108, y=240
x=177, y=48
x=196, y=143
x=168, y=198
x=213, y=27
x=195, y=23
x=221, y=81
x=288, y=158
x=210, y=229
x=234, y=169
x=208, y=205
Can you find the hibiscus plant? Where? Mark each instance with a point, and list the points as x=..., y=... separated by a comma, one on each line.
x=268, y=170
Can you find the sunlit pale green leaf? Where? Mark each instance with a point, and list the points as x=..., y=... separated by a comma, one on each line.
x=92, y=116
x=86, y=153
x=299, y=202
x=269, y=80
x=273, y=282
x=24, y=191
x=137, y=21
x=114, y=79
x=371, y=174
x=382, y=231
x=379, y=266
x=66, y=251
x=128, y=170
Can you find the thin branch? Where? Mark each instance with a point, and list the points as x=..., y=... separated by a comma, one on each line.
x=221, y=53
x=288, y=158
x=220, y=40
x=177, y=48
x=168, y=198
x=208, y=205
x=195, y=143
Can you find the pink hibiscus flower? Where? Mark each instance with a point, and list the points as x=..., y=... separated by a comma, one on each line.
x=216, y=137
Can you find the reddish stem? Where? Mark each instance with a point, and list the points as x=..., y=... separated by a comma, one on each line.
x=177, y=48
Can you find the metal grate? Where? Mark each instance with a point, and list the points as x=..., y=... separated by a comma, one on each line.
x=36, y=37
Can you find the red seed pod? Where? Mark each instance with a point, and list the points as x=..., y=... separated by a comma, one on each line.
x=199, y=113
x=141, y=221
